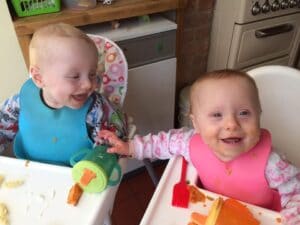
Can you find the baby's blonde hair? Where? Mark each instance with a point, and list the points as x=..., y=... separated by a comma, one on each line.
x=41, y=40
x=223, y=74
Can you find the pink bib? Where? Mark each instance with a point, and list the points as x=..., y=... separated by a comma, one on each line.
x=242, y=178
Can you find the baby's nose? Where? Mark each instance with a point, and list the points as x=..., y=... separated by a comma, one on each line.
x=86, y=83
x=231, y=123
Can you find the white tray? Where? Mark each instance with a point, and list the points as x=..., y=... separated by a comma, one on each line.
x=160, y=210
x=42, y=199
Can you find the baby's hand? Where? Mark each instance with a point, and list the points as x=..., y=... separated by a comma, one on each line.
x=117, y=145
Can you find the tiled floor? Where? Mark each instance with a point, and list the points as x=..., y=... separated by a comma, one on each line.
x=133, y=196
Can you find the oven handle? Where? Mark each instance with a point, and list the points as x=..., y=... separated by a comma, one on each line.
x=271, y=31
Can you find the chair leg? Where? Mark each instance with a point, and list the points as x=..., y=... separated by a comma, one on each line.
x=151, y=171
x=107, y=220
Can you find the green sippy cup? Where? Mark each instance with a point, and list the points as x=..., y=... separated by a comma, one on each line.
x=92, y=169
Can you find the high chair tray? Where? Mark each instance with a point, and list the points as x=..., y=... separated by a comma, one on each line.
x=42, y=198
x=161, y=211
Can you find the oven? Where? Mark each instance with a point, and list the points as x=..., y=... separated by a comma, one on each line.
x=250, y=33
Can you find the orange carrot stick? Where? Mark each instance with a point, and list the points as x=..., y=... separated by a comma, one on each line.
x=74, y=194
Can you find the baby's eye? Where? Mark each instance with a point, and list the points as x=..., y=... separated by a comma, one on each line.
x=73, y=77
x=244, y=113
x=217, y=115
x=92, y=76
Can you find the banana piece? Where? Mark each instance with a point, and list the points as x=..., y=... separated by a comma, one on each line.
x=214, y=212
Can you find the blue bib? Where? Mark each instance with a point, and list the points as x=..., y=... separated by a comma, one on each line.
x=49, y=135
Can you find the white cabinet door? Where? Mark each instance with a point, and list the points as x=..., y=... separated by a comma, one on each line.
x=150, y=99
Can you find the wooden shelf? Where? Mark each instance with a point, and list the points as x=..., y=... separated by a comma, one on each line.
x=119, y=9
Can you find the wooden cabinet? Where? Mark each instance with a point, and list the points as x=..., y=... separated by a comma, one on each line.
x=120, y=9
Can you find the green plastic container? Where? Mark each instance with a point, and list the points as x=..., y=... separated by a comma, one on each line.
x=35, y=7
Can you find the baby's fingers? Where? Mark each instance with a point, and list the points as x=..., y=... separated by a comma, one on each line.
x=117, y=149
x=106, y=134
x=112, y=150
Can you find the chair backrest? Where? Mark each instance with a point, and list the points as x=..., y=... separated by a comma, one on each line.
x=113, y=72
x=279, y=90
x=112, y=68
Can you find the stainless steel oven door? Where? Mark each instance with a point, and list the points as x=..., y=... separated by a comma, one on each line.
x=262, y=41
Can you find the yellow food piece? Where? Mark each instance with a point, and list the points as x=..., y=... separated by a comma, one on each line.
x=2, y=177
x=4, y=221
x=214, y=212
x=3, y=214
x=13, y=183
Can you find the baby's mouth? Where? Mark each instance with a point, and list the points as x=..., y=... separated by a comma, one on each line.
x=80, y=97
x=232, y=140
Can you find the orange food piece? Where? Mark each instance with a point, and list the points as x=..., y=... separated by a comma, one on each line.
x=74, y=194
x=235, y=213
x=195, y=194
x=197, y=219
x=232, y=212
x=87, y=176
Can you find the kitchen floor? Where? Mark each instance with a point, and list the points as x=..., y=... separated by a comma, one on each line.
x=134, y=195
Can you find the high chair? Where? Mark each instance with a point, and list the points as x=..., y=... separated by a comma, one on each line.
x=113, y=68
x=279, y=90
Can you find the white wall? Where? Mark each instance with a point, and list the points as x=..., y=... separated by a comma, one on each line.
x=13, y=71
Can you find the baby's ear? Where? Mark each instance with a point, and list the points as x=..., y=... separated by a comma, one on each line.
x=193, y=119
x=36, y=75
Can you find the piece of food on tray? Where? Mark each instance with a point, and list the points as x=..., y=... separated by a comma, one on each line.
x=234, y=212
x=225, y=212
x=13, y=183
x=214, y=212
x=2, y=177
x=74, y=194
x=3, y=214
x=197, y=218
x=195, y=194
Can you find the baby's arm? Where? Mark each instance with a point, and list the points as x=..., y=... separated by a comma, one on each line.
x=9, y=114
x=285, y=177
x=163, y=145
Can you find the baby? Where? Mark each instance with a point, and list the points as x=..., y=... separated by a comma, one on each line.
x=230, y=151
x=58, y=111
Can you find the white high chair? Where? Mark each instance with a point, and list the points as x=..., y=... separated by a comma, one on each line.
x=279, y=90
x=113, y=68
